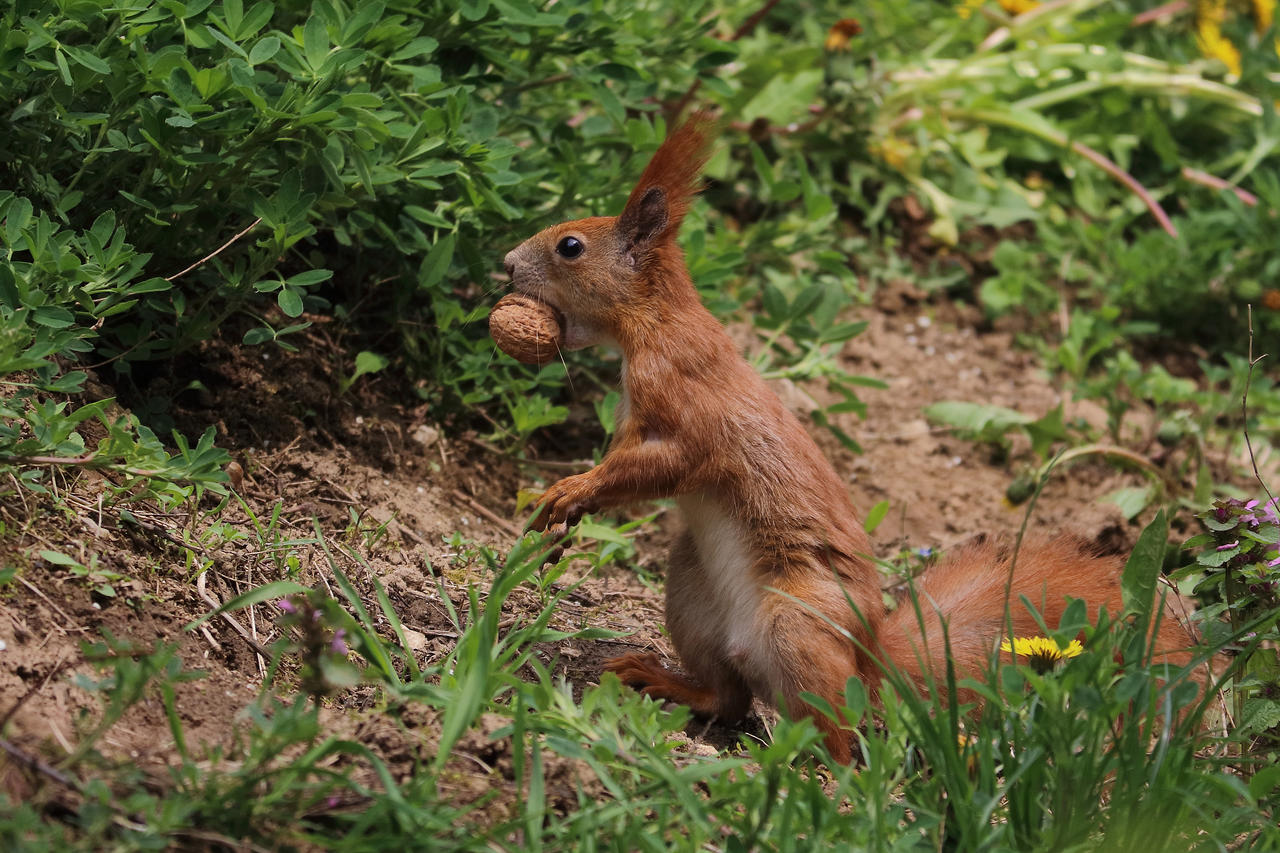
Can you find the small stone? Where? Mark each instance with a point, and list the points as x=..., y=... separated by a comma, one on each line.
x=426, y=435
x=415, y=640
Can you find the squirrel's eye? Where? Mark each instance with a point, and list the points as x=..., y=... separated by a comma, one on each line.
x=569, y=247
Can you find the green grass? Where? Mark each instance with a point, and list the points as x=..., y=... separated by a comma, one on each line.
x=1107, y=751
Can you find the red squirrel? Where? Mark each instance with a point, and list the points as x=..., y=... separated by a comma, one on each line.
x=774, y=550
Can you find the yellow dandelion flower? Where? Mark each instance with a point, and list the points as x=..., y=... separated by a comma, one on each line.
x=1042, y=653
x=1215, y=45
x=893, y=151
x=1017, y=7
x=966, y=8
x=1264, y=12
x=1209, y=17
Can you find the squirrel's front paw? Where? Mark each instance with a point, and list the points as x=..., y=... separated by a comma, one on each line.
x=561, y=507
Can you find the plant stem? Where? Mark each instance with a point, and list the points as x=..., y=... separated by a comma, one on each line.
x=1047, y=132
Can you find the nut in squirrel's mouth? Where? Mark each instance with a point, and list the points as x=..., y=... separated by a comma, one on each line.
x=561, y=318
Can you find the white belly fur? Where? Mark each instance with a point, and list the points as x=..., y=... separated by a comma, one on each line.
x=724, y=553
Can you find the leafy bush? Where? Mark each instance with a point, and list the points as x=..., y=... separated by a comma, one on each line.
x=173, y=170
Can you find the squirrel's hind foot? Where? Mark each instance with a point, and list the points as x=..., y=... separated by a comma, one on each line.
x=645, y=673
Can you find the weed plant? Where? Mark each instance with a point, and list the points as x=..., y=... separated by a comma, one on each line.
x=1106, y=749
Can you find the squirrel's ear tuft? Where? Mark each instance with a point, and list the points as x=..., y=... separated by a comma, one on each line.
x=673, y=173
x=642, y=222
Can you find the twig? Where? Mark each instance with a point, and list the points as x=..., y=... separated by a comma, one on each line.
x=227, y=617
x=1214, y=182
x=253, y=622
x=1244, y=412
x=1168, y=10
x=220, y=840
x=487, y=513
x=210, y=639
x=55, y=607
x=548, y=464
x=216, y=251
x=22, y=700
x=40, y=766
x=148, y=336
x=545, y=81
x=87, y=461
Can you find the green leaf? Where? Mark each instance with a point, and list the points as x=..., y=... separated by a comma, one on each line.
x=59, y=559
x=1215, y=559
x=9, y=295
x=308, y=278
x=877, y=515
x=418, y=47
x=233, y=12
x=290, y=302
x=436, y=264
x=978, y=418
x=88, y=60
x=315, y=42
x=1046, y=430
x=1130, y=500
x=53, y=316
x=264, y=49
x=368, y=362
x=1264, y=782
x=61, y=61
x=600, y=532
x=1138, y=582
x=258, y=335
x=258, y=17
x=16, y=219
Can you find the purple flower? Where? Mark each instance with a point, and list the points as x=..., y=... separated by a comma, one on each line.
x=1269, y=512
x=1274, y=563
x=926, y=552
x=287, y=606
x=339, y=645
x=1229, y=546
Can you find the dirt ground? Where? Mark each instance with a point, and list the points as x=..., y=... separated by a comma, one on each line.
x=382, y=479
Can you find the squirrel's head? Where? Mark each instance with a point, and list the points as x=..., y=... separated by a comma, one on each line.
x=598, y=272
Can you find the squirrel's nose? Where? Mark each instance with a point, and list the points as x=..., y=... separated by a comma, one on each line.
x=509, y=263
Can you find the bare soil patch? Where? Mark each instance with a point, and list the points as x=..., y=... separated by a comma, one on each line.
x=380, y=478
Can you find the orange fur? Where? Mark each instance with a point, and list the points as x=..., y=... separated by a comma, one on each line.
x=759, y=588
x=967, y=591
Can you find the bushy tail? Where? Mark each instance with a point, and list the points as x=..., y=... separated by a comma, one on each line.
x=968, y=592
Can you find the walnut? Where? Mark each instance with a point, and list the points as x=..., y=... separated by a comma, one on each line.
x=525, y=329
